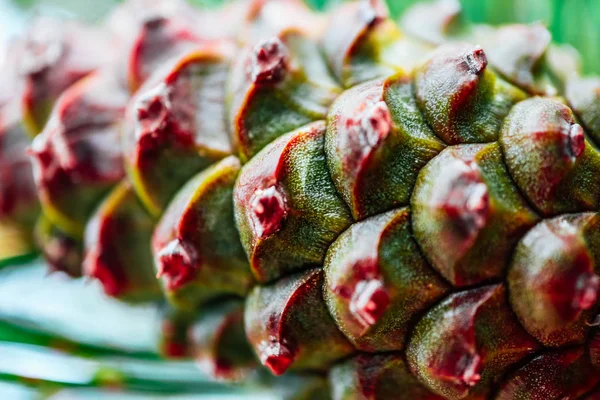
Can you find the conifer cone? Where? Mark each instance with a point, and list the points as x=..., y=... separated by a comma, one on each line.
x=364, y=209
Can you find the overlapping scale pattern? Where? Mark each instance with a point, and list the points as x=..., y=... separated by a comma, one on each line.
x=430, y=231
x=435, y=281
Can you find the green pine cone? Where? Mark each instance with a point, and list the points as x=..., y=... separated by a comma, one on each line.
x=371, y=209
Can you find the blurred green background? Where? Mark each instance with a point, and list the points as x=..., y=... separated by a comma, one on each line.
x=576, y=22
x=62, y=339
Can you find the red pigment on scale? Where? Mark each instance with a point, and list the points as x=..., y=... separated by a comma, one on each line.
x=574, y=290
x=276, y=350
x=113, y=281
x=366, y=132
x=586, y=291
x=267, y=211
x=55, y=55
x=165, y=117
x=177, y=262
x=102, y=261
x=268, y=63
x=465, y=199
x=375, y=124
x=160, y=38
x=172, y=347
x=175, y=349
x=475, y=61
x=66, y=154
x=461, y=366
x=153, y=121
x=275, y=356
x=367, y=297
x=466, y=74
x=369, y=301
x=575, y=142
x=371, y=127
x=458, y=360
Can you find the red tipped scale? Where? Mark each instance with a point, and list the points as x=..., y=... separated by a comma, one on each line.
x=164, y=113
x=361, y=43
x=374, y=376
x=164, y=118
x=367, y=298
x=376, y=123
x=278, y=83
x=369, y=301
x=366, y=130
x=268, y=63
x=54, y=55
x=466, y=342
x=445, y=86
x=174, y=326
x=553, y=279
x=558, y=374
x=117, y=244
x=460, y=67
x=175, y=126
x=196, y=247
x=172, y=347
x=376, y=143
x=268, y=211
x=289, y=327
x=475, y=61
x=77, y=157
x=95, y=265
x=177, y=263
x=160, y=40
x=468, y=215
x=276, y=356
x=377, y=283
x=219, y=344
x=516, y=52
x=365, y=293
x=454, y=369
x=153, y=115
x=463, y=101
x=462, y=367
x=151, y=33
x=113, y=281
x=549, y=158
x=361, y=123
x=583, y=95
x=463, y=196
x=274, y=200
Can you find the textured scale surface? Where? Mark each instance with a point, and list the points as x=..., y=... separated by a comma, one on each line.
x=367, y=210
